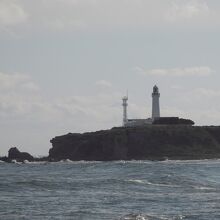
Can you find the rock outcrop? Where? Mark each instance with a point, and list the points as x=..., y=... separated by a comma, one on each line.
x=15, y=154
x=5, y=159
x=156, y=142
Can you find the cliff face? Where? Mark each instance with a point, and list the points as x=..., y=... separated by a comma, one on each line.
x=156, y=142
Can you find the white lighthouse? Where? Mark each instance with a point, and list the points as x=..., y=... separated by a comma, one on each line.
x=155, y=103
x=125, y=105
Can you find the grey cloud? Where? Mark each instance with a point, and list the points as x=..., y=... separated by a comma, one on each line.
x=11, y=13
x=176, y=72
x=181, y=10
x=92, y=14
x=103, y=84
x=16, y=81
x=21, y=98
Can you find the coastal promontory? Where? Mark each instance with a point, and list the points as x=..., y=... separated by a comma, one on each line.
x=157, y=142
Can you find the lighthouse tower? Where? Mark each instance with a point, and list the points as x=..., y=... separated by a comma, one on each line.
x=155, y=103
x=125, y=105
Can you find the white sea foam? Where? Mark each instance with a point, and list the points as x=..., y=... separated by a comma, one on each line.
x=150, y=183
x=149, y=217
x=136, y=181
x=161, y=184
x=66, y=161
x=35, y=162
x=202, y=161
x=78, y=162
x=16, y=162
x=203, y=188
x=132, y=161
x=168, y=161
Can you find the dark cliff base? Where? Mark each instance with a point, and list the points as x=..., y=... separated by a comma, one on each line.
x=158, y=142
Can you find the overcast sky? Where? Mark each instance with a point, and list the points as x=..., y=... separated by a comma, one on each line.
x=65, y=64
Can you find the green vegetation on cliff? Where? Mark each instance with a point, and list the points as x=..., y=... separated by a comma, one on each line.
x=156, y=142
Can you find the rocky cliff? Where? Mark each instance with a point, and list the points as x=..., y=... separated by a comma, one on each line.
x=156, y=142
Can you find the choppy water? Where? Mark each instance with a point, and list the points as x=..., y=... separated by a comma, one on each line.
x=111, y=190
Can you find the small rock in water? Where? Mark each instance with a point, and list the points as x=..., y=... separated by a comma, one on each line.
x=15, y=154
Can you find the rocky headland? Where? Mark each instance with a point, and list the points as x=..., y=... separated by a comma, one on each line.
x=157, y=142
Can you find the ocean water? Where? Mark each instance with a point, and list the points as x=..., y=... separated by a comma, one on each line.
x=120, y=190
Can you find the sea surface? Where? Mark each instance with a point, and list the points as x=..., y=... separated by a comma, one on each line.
x=141, y=190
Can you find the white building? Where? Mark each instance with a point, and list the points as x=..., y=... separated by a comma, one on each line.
x=142, y=122
x=155, y=103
